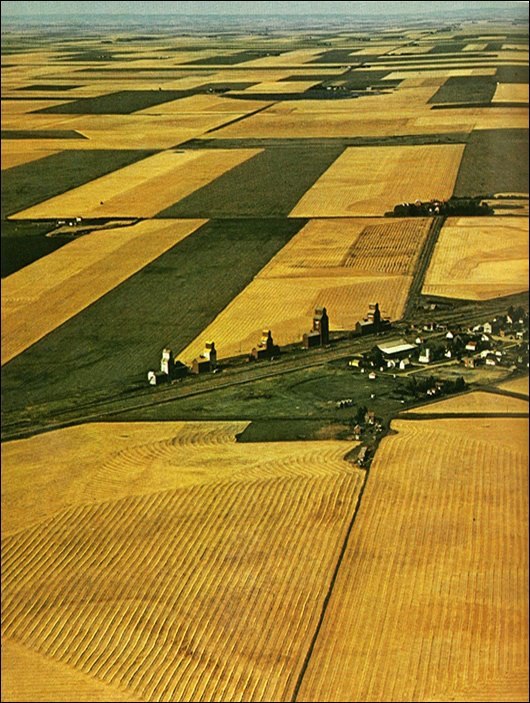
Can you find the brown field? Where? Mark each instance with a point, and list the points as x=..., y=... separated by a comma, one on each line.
x=511, y=92
x=519, y=385
x=172, y=564
x=371, y=180
x=479, y=259
x=475, y=402
x=343, y=264
x=431, y=601
x=43, y=295
x=144, y=188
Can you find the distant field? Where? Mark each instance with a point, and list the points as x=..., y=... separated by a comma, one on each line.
x=225, y=612
x=27, y=184
x=476, y=402
x=46, y=294
x=466, y=89
x=479, y=258
x=122, y=103
x=370, y=181
x=116, y=340
x=340, y=264
x=267, y=185
x=430, y=602
x=142, y=189
x=511, y=92
x=41, y=134
x=493, y=163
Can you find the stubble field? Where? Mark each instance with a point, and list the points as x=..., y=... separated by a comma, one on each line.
x=165, y=571
x=479, y=259
x=431, y=599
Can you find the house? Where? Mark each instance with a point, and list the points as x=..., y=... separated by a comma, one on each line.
x=319, y=335
x=266, y=349
x=357, y=431
x=207, y=361
x=404, y=363
x=167, y=361
x=487, y=328
x=471, y=346
x=449, y=335
x=490, y=361
x=372, y=376
x=369, y=417
x=425, y=356
x=469, y=362
x=354, y=362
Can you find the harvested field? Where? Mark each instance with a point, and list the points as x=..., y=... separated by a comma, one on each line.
x=144, y=188
x=475, y=402
x=121, y=103
x=30, y=183
x=266, y=185
x=168, y=302
x=518, y=385
x=299, y=86
x=493, y=163
x=209, y=104
x=511, y=93
x=50, y=291
x=369, y=181
x=330, y=263
x=431, y=602
x=479, y=259
x=16, y=154
x=120, y=600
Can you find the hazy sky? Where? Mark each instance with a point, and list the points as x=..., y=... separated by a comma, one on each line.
x=32, y=8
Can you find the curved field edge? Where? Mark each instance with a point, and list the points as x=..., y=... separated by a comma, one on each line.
x=199, y=590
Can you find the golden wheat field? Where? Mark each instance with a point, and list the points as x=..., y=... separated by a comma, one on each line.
x=342, y=264
x=431, y=601
x=478, y=260
x=475, y=402
x=369, y=181
x=518, y=385
x=142, y=189
x=172, y=564
x=51, y=290
x=511, y=92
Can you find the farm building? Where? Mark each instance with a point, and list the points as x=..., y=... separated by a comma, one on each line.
x=319, y=335
x=372, y=322
x=266, y=349
x=207, y=361
x=397, y=350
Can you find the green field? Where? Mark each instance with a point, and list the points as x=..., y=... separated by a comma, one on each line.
x=41, y=134
x=48, y=87
x=512, y=74
x=25, y=242
x=121, y=103
x=112, y=344
x=494, y=161
x=465, y=89
x=230, y=59
x=296, y=405
x=267, y=185
x=34, y=182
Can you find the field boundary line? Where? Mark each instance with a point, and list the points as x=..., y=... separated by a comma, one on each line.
x=329, y=593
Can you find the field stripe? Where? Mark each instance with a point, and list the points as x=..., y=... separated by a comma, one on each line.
x=59, y=286
x=199, y=593
x=431, y=598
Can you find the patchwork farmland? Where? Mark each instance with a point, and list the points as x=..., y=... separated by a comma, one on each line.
x=315, y=520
